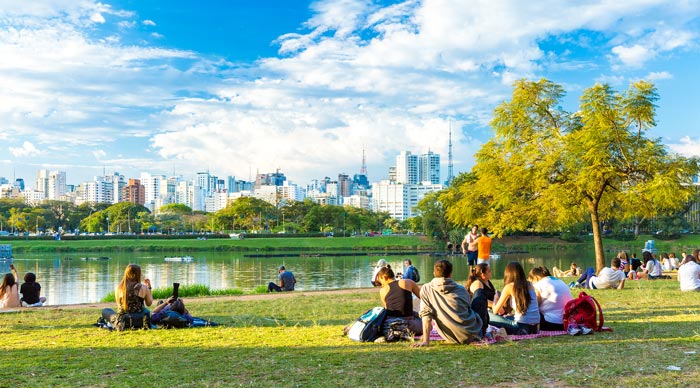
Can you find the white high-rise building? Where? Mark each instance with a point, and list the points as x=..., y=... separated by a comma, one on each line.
x=412, y=169
x=51, y=183
x=429, y=168
x=398, y=199
x=406, y=168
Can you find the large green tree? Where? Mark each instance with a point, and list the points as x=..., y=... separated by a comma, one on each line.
x=546, y=169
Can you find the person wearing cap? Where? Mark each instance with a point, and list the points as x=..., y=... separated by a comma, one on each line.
x=285, y=280
x=380, y=264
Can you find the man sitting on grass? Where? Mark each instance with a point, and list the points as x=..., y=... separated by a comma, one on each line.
x=612, y=277
x=286, y=281
x=447, y=302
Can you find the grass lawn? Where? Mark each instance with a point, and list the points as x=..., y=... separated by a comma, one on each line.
x=296, y=340
x=260, y=244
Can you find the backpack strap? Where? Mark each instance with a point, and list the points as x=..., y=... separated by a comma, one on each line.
x=601, y=320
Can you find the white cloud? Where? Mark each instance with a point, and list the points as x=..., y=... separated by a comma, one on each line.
x=359, y=76
x=658, y=76
x=634, y=56
x=27, y=149
x=686, y=146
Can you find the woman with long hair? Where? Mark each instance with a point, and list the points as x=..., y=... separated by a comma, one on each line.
x=480, y=278
x=521, y=295
x=9, y=293
x=131, y=295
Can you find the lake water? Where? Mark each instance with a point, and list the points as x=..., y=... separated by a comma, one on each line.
x=71, y=280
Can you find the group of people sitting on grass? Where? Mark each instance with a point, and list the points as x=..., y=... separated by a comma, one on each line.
x=27, y=295
x=526, y=304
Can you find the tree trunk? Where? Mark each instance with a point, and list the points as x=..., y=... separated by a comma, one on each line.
x=597, y=240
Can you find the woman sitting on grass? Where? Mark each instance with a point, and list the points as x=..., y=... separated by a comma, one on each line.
x=652, y=267
x=31, y=292
x=574, y=270
x=523, y=300
x=689, y=274
x=552, y=295
x=9, y=294
x=480, y=278
x=397, y=300
x=131, y=295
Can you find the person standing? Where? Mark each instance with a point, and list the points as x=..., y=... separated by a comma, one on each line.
x=483, y=247
x=285, y=279
x=469, y=245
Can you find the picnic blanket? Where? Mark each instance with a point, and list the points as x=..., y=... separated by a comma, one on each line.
x=197, y=322
x=435, y=336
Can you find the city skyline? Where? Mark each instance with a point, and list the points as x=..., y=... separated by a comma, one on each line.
x=309, y=86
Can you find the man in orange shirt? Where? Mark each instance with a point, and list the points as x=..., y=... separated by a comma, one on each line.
x=484, y=244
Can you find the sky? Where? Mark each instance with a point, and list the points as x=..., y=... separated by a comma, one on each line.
x=239, y=87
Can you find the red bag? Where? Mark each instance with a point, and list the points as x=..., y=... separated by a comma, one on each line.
x=584, y=310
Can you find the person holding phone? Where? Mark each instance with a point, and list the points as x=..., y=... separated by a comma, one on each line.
x=132, y=297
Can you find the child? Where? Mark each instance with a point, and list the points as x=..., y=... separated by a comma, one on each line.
x=31, y=292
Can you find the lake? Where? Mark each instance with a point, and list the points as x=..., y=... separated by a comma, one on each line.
x=68, y=279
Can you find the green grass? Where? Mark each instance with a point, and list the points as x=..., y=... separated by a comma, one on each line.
x=382, y=243
x=296, y=340
x=191, y=291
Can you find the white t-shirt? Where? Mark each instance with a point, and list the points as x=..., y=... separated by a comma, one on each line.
x=554, y=293
x=653, y=268
x=689, y=276
x=607, y=278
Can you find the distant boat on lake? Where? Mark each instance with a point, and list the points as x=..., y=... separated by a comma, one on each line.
x=179, y=259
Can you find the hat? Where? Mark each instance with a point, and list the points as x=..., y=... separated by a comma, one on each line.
x=281, y=267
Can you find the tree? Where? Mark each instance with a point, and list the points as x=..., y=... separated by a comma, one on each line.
x=546, y=169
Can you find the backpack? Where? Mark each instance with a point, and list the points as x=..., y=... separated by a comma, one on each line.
x=126, y=321
x=396, y=329
x=417, y=277
x=173, y=319
x=584, y=310
x=368, y=327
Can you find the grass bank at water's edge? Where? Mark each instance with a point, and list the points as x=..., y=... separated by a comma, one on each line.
x=296, y=339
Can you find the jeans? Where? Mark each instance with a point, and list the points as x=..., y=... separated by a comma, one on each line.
x=586, y=277
x=273, y=287
x=511, y=326
x=480, y=305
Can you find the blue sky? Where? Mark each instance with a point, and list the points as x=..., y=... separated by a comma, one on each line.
x=239, y=86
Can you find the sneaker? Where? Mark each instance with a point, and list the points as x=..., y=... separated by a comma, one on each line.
x=574, y=329
x=585, y=330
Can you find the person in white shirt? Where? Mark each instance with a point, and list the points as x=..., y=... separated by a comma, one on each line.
x=652, y=267
x=552, y=295
x=612, y=277
x=689, y=274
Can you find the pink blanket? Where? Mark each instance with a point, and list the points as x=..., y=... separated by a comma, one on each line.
x=435, y=336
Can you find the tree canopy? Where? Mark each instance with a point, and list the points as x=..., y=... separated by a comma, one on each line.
x=546, y=169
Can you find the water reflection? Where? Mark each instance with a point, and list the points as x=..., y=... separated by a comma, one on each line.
x=70, y=280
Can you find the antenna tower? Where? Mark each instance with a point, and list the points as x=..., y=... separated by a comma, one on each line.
x=450, y=165
x=363, y=169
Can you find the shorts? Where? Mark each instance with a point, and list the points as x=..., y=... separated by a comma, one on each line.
x=479, y=261
x=471, y=257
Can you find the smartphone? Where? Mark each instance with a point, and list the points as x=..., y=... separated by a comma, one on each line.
x=176, y=286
